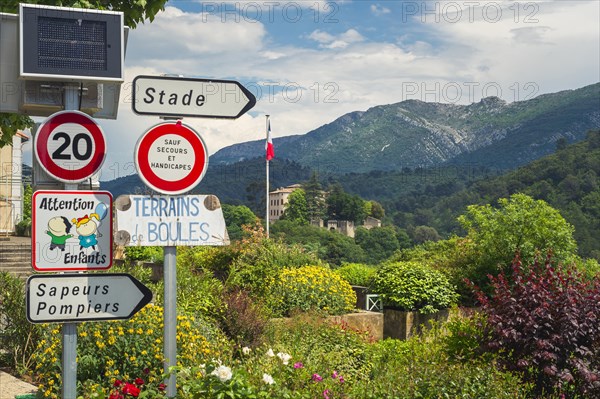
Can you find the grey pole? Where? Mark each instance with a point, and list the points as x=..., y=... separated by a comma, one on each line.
x=170, y=313
x=170, y=317
x=69, y=330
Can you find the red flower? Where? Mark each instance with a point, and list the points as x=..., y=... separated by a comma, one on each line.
x=130, y=389
x=162, y=387
x=117, y=383
x=115, y=395
x=146, y=371
x=139, y=382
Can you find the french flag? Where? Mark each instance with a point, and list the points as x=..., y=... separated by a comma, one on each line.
x=269, y=144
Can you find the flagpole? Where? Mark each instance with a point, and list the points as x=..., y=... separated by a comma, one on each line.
x=267, y=197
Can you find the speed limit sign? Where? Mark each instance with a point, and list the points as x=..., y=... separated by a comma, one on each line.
x=70, y=146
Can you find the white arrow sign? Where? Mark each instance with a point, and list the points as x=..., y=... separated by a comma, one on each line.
x=84, y=297
x=178, y=97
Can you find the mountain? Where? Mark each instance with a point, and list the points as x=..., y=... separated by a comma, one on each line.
x=413, y=134
x=568, y=179
x=241, y=183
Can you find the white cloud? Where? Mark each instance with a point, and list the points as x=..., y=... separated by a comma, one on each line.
x=378, y=9
x=531, y=35
x=178, y=35
x=303, y=88
x=343, y=40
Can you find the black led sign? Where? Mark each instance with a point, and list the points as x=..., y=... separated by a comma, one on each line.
x=70, y=44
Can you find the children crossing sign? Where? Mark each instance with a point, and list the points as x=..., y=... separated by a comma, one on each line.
x=71, y=230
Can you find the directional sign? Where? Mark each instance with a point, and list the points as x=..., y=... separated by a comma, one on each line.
x=178, y=96
x=84, y=297
x=170, y=220
x=71, y=230
x=70, y=146
x=171, y=158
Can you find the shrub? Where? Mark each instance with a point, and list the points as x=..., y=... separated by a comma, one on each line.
x=306, y=357
x=18, y=337
x=412, y=286
x=420, y=368
x=311, y=288
x=251, y=264
x=546, y=325
x=357, y=273
x=124, y=350
x=465, y=334
x=244, y=320
x=153, y=254
x=322, y=345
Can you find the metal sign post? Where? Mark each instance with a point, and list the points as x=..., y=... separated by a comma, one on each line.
x=69, y=330
x=171, y=158
x=170, y=316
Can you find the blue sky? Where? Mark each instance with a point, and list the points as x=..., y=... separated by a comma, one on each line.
x=310, y=62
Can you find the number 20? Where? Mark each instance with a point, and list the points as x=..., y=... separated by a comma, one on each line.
x=59, y=153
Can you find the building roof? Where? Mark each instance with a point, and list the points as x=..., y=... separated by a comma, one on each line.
x=287, y=189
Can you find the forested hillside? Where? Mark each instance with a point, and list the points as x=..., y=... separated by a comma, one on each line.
x=568, y=180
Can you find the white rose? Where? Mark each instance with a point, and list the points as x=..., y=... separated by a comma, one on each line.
x=223, y=373
x=267, y=379
x=285, y=357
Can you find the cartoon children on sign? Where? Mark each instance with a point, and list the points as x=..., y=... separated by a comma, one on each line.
x=86, y=227
x=58, y=230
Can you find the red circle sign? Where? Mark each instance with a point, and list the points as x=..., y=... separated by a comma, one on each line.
x=70, y=146
x=171, y=158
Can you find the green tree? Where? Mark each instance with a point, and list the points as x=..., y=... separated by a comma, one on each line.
x=135, y=12
x=330, y=246
x=296, y=210
x=344, y=206
x=255, y=196
x=379, y=243
x=237, y=216
x=315, y=199
x=376, y=210
x=520, y=224
x=27, y=194
x=423, y=234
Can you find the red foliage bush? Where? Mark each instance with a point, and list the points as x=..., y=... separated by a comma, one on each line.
x=545, y=324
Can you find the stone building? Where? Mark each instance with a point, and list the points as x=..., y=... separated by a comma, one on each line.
x=278, y=199
x=11, y=184
x=345, y=227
